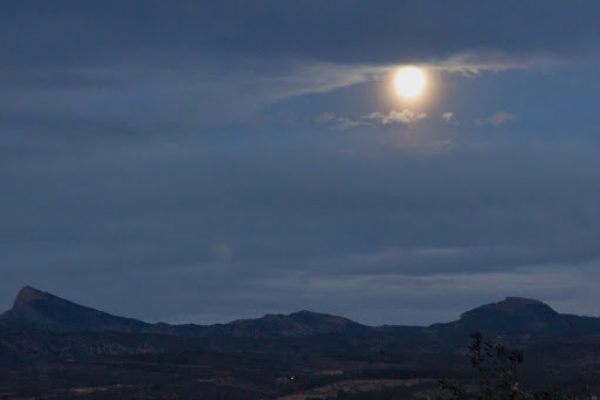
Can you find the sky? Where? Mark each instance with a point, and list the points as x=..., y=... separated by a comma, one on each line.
x=203, y=161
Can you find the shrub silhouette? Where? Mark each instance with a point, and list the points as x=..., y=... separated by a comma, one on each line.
x=496, y=376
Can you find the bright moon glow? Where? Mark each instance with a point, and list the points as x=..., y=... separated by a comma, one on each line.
x=410, y=82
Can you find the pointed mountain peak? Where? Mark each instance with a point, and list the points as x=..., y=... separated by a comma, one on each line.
x=34, y=308
x=28, y=295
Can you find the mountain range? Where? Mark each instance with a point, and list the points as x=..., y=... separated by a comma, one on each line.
x=34, y=309
x=50, y=346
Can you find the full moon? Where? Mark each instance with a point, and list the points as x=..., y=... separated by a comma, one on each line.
x=410, y=82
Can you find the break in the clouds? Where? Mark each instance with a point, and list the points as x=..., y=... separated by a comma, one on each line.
x=176, y=161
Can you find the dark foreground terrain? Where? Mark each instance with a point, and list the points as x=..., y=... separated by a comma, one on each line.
x=51, y=348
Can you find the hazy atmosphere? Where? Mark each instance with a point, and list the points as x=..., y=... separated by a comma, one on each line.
x=203, y=161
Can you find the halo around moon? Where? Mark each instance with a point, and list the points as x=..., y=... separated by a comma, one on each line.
x=410, y=82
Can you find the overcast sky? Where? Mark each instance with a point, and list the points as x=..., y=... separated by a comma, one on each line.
x=202, y=161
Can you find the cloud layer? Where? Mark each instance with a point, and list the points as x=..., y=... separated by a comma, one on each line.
x=176, y=161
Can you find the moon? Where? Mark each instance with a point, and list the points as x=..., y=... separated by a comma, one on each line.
x=410, y=82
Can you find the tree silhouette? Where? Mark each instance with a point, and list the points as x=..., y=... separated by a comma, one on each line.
x=496, y=375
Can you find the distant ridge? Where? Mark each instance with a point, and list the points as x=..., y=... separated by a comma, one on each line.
x=302, y=323
x=35, y=309
x=516, y=316
x=511, y=317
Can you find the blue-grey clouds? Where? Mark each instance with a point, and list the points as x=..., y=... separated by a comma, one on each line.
x=171, y=161
x=160, y=216
x=69, y=31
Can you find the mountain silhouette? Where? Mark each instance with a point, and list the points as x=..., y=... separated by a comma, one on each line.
x=514, y=316
x=33, y=308
x=519, y=317
x=302, y=323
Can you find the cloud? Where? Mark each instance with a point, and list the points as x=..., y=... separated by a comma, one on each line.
x=442, y=296
x=474, y=64
x=501, y=117
x=497, y=118
x=260, y=56
x=392, y=117
x=117, y=30
x=195, y=74
x=144, y=151
x=339, y=121
x=155, y=220
x=325, y=117
x=448, y=116
x=405, y=117
x=348, y=123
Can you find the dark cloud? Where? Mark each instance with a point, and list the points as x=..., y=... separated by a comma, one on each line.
x=341, y=31
x=162, y=215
